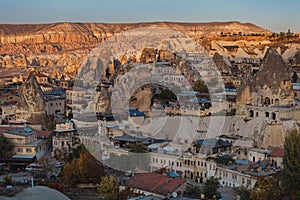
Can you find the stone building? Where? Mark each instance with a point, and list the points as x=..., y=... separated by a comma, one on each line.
x=54, y=105
x=31, y=105
x=269, y=90
x=75, y=94
x=27, y=146
x=224, y=66
x=65, y=139
x=42, y=78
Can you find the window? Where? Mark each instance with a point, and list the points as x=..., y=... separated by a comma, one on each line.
x=28, y=150
x=20, y=140
x=20, y=150
x=248, y=182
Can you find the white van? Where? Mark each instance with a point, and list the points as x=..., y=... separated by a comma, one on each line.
x=34, y=167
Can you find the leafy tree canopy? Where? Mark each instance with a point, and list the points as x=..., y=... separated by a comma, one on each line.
x=210, y=187
x=200, y=86
x=6, y=147
x=86, y=169
x=266, y=188
x=291, y=165
x=109, y=188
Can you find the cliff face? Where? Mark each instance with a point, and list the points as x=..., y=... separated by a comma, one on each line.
x=86, y=33
x=65, y=45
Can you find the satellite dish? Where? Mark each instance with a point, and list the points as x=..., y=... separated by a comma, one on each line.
x=174, y=194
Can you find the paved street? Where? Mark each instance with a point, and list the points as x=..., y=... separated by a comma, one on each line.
x=227, y=193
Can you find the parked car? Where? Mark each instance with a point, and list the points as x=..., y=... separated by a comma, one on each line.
x=33, y=167
x=59, y=164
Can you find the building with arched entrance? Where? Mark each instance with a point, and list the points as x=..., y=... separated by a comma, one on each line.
x=269, y=93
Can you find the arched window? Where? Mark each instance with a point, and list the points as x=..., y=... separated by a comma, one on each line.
x=251, y=113
x=267, y=114
x=274, y=116
x=267, y=101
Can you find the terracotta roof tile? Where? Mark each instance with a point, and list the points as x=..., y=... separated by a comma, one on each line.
x=43, y=134
x=155, y=183
x=278, y=152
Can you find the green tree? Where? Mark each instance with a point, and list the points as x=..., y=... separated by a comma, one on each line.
x=210, y=187
x=6, y=147
x=291, y=165
x=167, y=95
x=193, y=191
x=138, y=148
x=200, y=86
x=266, y=188
x=78, y=151
x=243, y=192
x=109, y=188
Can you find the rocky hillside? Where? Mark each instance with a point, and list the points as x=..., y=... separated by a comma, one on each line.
x=64, y=45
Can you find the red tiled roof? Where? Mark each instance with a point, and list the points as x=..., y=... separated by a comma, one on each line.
x=279, y=152
x=43, y=134
x=155, y=183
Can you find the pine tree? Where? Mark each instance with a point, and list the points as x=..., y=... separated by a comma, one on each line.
x=266, y=188
x=291, y=165
x=6, y=147
x=211, y=187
